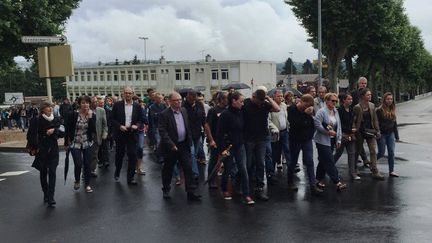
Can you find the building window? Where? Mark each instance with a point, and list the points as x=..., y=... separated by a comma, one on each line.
x=186, y=74
x=215, y=74
x=153, y=75
x=138, y=75
x=95, y=77
x=178, y=74
x=122, y=76
x=88, y=76
x=130, y=73
x=76, y=77
x=224, y=74
x=115, y=76
x=83, y=76
x=108, y=75
x=102, y=76
x=145, y=75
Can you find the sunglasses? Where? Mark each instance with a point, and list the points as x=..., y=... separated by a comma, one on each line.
x=334, y=101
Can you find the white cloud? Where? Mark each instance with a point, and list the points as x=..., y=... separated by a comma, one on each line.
x=227, y=29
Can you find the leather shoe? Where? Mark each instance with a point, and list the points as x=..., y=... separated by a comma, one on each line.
x=132, y=182
x=193, y=197
x=166, y=195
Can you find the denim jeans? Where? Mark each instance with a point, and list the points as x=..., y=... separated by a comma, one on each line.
x=194, y=152
x=281, y=146
x=140, y=145
x=269, y=163
x=389, y=141
x=237, y=156
x=82, y=159
x=255, y=157
x=307, y=152
x=326, y=164
x=212, y=162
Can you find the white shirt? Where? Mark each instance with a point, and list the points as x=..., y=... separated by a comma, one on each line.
x=282, y=120
x=128, y=114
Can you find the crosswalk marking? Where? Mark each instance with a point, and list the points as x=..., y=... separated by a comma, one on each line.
x=14, y=173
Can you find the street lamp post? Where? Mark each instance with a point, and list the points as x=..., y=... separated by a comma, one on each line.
x=319, y=45
x=145, y=47
x=291, y=71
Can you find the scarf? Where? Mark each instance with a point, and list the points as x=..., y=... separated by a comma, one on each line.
x=48, y=118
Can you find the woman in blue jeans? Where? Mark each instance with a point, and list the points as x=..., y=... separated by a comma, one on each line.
x=79, y=129
x=230, y=132
x=386, y=114
x=328, y=133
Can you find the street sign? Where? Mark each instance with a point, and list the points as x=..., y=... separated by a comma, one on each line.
x=14, y=98
x=44, y=39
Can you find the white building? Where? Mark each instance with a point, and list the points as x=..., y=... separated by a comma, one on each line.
x=168, y=76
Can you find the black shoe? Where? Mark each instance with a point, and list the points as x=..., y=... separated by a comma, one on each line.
x=292, y=187
x=166, y=195
x=93, y=174
x=45, y=198
x=212, y=185
x=261, y=195
x=132, y=182
x=51, y=203
x=116, y=176
x=297, y=168
x=272, y=181
x=193, y=197
x=316, y=191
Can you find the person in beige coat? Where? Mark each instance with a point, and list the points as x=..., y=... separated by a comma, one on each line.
x=367, y=128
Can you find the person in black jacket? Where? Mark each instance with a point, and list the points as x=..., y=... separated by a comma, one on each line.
x=80, y=126
x=175, y=145
x=386, y=114
x=42, y=138
x=346, y=116
x=230, y=132
x=301, y=132
x=126, y=118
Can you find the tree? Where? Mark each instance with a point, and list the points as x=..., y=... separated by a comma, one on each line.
x=287, y=67
x=309, y=68
x=30, y=17
x=135, y=60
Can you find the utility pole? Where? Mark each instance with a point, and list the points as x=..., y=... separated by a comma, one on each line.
x=145, y=47
x=291, y=71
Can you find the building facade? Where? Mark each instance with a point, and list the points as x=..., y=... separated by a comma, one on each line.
x=166, y=77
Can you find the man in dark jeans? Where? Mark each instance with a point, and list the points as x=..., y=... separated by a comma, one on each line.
x=126, y=118
x=211, y=128
x=301, y=132
x=196, y=116
x=256, y=132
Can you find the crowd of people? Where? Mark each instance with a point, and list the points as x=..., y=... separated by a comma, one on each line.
x=247, y=139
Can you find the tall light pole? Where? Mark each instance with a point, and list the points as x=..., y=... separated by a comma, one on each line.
x=145, y=47
x=319, y=45
x=291, y=71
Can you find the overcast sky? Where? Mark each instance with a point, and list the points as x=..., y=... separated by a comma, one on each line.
x=102, y=30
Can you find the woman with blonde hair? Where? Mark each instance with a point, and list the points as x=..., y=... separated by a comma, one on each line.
x=386, y=114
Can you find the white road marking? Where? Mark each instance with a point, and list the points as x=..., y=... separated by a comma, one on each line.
x=2, y=179
x=14, y=173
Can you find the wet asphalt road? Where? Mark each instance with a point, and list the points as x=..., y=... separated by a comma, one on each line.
x=394, y=210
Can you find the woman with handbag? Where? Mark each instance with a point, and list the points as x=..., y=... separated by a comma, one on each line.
x=328, y=134
x=367, y=128
x=389, y=133
x=346, y=116
x=80, y=127
x=42, y=137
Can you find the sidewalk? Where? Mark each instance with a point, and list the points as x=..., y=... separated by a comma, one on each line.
x=15, y=141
